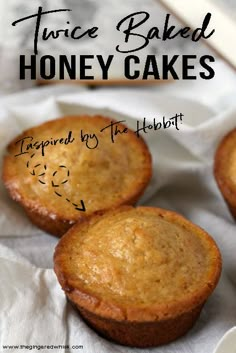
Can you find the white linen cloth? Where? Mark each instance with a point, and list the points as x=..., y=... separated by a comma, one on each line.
x=33, y=309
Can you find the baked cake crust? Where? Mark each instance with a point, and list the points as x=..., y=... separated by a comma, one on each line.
x=114, y=287
x=225, y=169
x=110, y=175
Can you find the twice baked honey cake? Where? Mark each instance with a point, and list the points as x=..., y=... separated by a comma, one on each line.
x=138, y=276
x=225, y=169
x=70, y=168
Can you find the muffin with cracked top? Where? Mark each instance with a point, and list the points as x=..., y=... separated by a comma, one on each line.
x=67, y=169
x=139, y=276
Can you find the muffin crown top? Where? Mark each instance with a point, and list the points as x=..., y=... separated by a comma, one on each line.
x=53, y=166
x=139, y=257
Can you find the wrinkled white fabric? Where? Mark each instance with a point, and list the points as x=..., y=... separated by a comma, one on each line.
x=33, y=309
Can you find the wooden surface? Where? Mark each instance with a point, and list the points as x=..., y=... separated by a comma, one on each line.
x=111, y=82
x=192, y=13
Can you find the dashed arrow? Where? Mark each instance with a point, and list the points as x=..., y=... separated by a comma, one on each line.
x=82, y=208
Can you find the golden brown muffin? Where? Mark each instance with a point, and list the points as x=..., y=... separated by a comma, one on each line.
x=225, y=169
x=139, y=276
x=63, y=179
